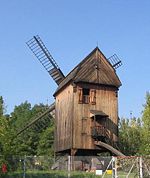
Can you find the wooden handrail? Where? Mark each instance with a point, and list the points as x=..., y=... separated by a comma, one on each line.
x=99, y=131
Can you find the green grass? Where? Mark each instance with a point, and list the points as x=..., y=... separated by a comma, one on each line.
x=59, y=174
x=49, y=174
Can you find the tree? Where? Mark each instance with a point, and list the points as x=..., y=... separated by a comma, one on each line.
x=1, y=106
x=5, y=132
x=46, y=142
x=27, y=143
x=145, y=145
x=130, y=137
x=20, y=115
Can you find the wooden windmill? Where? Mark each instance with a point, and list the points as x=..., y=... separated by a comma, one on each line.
x=86, y=102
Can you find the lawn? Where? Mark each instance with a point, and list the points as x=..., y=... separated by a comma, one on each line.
x=59, y=174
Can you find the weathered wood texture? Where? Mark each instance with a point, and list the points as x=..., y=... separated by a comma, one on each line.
x=63, y=119
x=106, y=101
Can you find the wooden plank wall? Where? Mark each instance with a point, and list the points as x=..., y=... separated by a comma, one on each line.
x=106, y=101
x=73, y=122
x=63, y=119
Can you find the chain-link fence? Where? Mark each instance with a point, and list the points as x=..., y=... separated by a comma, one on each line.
x=74, y=167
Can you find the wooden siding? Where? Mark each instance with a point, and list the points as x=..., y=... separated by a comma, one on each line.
x=74, y=122
x=63, y=119
x=107, y=102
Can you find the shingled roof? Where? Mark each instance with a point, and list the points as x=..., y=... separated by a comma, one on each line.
x=95, y=68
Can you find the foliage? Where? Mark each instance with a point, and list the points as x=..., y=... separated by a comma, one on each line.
x=5, y=133
x=135, y=133
x=130, y=136
x=1, y=106
x=145, y=144
x=30, y=142
x=45, y=146
x=20, y=115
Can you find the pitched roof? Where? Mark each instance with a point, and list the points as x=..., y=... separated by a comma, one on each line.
x=95, y=68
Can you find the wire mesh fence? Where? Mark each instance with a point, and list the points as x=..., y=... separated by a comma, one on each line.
x=74, y=167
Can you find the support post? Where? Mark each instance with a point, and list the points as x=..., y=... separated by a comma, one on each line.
x=114, y=168
x=69, y=166
x=73, y=152
x=140, y=168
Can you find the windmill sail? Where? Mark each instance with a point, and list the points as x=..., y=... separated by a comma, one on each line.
x=41, y=121
x=115, y=61
x=43, y=55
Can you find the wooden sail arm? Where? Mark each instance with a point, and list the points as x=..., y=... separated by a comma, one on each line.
x=48, y=111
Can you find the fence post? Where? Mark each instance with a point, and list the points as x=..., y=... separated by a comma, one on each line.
x=69, y=166
x=140, y=168
x=114, y=168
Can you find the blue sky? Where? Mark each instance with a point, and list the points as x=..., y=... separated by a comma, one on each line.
x=71, y=30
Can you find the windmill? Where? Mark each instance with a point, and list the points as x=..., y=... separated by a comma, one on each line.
x=78, y=90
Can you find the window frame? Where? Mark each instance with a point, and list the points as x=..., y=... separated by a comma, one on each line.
x=86, y=98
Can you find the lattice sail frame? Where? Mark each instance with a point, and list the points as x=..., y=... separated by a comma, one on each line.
x=41, y=121
x=115, y=61
x=39, y=49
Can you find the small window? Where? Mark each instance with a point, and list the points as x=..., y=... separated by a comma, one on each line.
x=86, y=91
x=84, y=95
x=87, y=96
